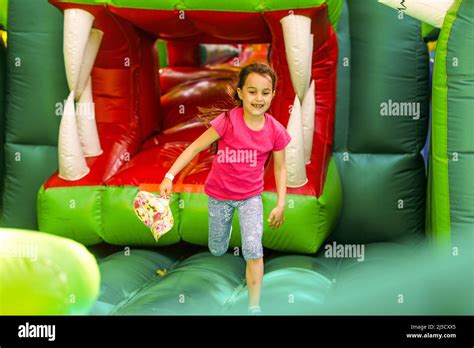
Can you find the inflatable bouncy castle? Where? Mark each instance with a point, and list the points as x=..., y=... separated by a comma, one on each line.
x=101, y=96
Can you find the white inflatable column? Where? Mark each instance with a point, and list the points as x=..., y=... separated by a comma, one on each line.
x=85, y=112
x=90, y=53
x=297, y=35
x=294, y=154
x=310, y=65
x=72, y=164
x=78, y=136
x=77, y=27
x=86, y=125
x=308, y=110
x=428, y=11
x=299, y=53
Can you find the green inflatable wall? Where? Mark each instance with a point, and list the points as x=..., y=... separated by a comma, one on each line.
x=451, y=185
x=36, y=89
x=378, y=156
x=2, y=119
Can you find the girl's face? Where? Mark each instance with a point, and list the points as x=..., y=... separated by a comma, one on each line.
x=256, y=94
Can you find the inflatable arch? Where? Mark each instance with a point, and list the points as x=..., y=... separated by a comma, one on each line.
x=140, y=143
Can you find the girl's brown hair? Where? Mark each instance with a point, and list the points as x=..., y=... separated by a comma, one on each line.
x=208, y=114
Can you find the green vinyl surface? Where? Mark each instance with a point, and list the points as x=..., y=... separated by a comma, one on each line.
x=94, y=214
x=452, y=157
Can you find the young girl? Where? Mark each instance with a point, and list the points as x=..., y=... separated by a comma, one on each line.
x=246, y=135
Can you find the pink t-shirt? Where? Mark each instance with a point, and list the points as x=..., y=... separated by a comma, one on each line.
x=237, y=168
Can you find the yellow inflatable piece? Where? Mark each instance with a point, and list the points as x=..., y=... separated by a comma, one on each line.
x=43, y=274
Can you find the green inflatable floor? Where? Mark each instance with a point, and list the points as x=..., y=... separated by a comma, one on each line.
x=384, y=281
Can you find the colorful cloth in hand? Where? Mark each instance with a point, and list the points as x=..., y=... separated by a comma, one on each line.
x=154, y=211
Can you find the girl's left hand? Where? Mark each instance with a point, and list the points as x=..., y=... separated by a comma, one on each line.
x=276, y=218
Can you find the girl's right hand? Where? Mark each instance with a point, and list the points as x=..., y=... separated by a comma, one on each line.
x=166, y=188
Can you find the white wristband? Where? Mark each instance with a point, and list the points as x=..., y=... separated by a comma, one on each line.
x=169, y=176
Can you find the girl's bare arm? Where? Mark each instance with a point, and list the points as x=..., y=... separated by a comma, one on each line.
x=279, y=167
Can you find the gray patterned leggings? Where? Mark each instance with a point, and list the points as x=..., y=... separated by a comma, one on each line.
x=250, y=212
